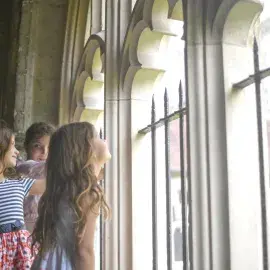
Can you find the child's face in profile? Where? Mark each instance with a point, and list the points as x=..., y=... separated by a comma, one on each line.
x=102, y=151
x=10, y=159
x=39, y=149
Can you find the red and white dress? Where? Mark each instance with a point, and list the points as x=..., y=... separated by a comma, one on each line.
x=15, y=242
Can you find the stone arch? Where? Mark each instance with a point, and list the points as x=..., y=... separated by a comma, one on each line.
x=232, y=26
x=88, y=92
x=84, y=18
x=176, y=12
x=234, y=19
x=147, y=42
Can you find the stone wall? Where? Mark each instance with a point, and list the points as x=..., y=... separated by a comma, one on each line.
x=41, y=39
x=9, y=26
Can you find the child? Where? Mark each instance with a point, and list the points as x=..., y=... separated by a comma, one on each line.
x=36, y=145
x=37, y=139
x=15, y=245
x=69, y=208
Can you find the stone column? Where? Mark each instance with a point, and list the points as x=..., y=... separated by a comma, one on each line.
x=73, y=48
x=117, y=233
x=39, y=62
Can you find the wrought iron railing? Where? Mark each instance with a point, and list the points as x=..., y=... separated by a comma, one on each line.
x=256, y=78
x=165, y=121
x=101, y=223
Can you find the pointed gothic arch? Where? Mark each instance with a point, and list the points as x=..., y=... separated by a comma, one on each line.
x=88, y=94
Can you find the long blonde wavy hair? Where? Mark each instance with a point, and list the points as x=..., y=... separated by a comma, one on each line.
x=72, y=190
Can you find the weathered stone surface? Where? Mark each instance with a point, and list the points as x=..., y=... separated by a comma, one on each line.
x=39, y=62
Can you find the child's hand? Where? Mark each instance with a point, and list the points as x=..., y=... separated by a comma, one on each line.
x=101, y=175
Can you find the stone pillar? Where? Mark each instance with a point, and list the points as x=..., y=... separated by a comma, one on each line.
x=117, y=232
x=39, y=63
x=72, y=52
x=207, y=142
x=9, y=34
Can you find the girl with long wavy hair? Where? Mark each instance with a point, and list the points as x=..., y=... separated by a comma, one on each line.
x=15, y=241
x=69, y=207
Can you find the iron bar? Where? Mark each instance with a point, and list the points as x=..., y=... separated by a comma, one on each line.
x=101, y=241
x=257, y=78
x=154, y=188
x=251, y=79
x=183, y=181
x=188, y=257
x=102, y=183
x=168, y=181
x=161, y=122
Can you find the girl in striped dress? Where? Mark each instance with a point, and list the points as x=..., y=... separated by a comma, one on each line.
x=15, y=244
x=68, y=209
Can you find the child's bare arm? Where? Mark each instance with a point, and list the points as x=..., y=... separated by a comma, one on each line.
x=38, y=187
x=86, y=260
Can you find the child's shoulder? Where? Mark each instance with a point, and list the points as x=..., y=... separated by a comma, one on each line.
x=13, y=180
x=16, y=180
x=8, y=184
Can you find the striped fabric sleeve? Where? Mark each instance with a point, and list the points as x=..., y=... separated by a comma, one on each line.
x=27, y=183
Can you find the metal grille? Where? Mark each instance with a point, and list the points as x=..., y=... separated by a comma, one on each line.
x=256, y=79
x=165, y=121
x=101, y=223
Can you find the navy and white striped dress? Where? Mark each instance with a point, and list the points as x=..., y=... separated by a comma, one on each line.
x=12, y=194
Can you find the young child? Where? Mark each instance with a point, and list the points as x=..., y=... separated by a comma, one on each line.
x=69, y=208
x=15, y=244
x=36, y=145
